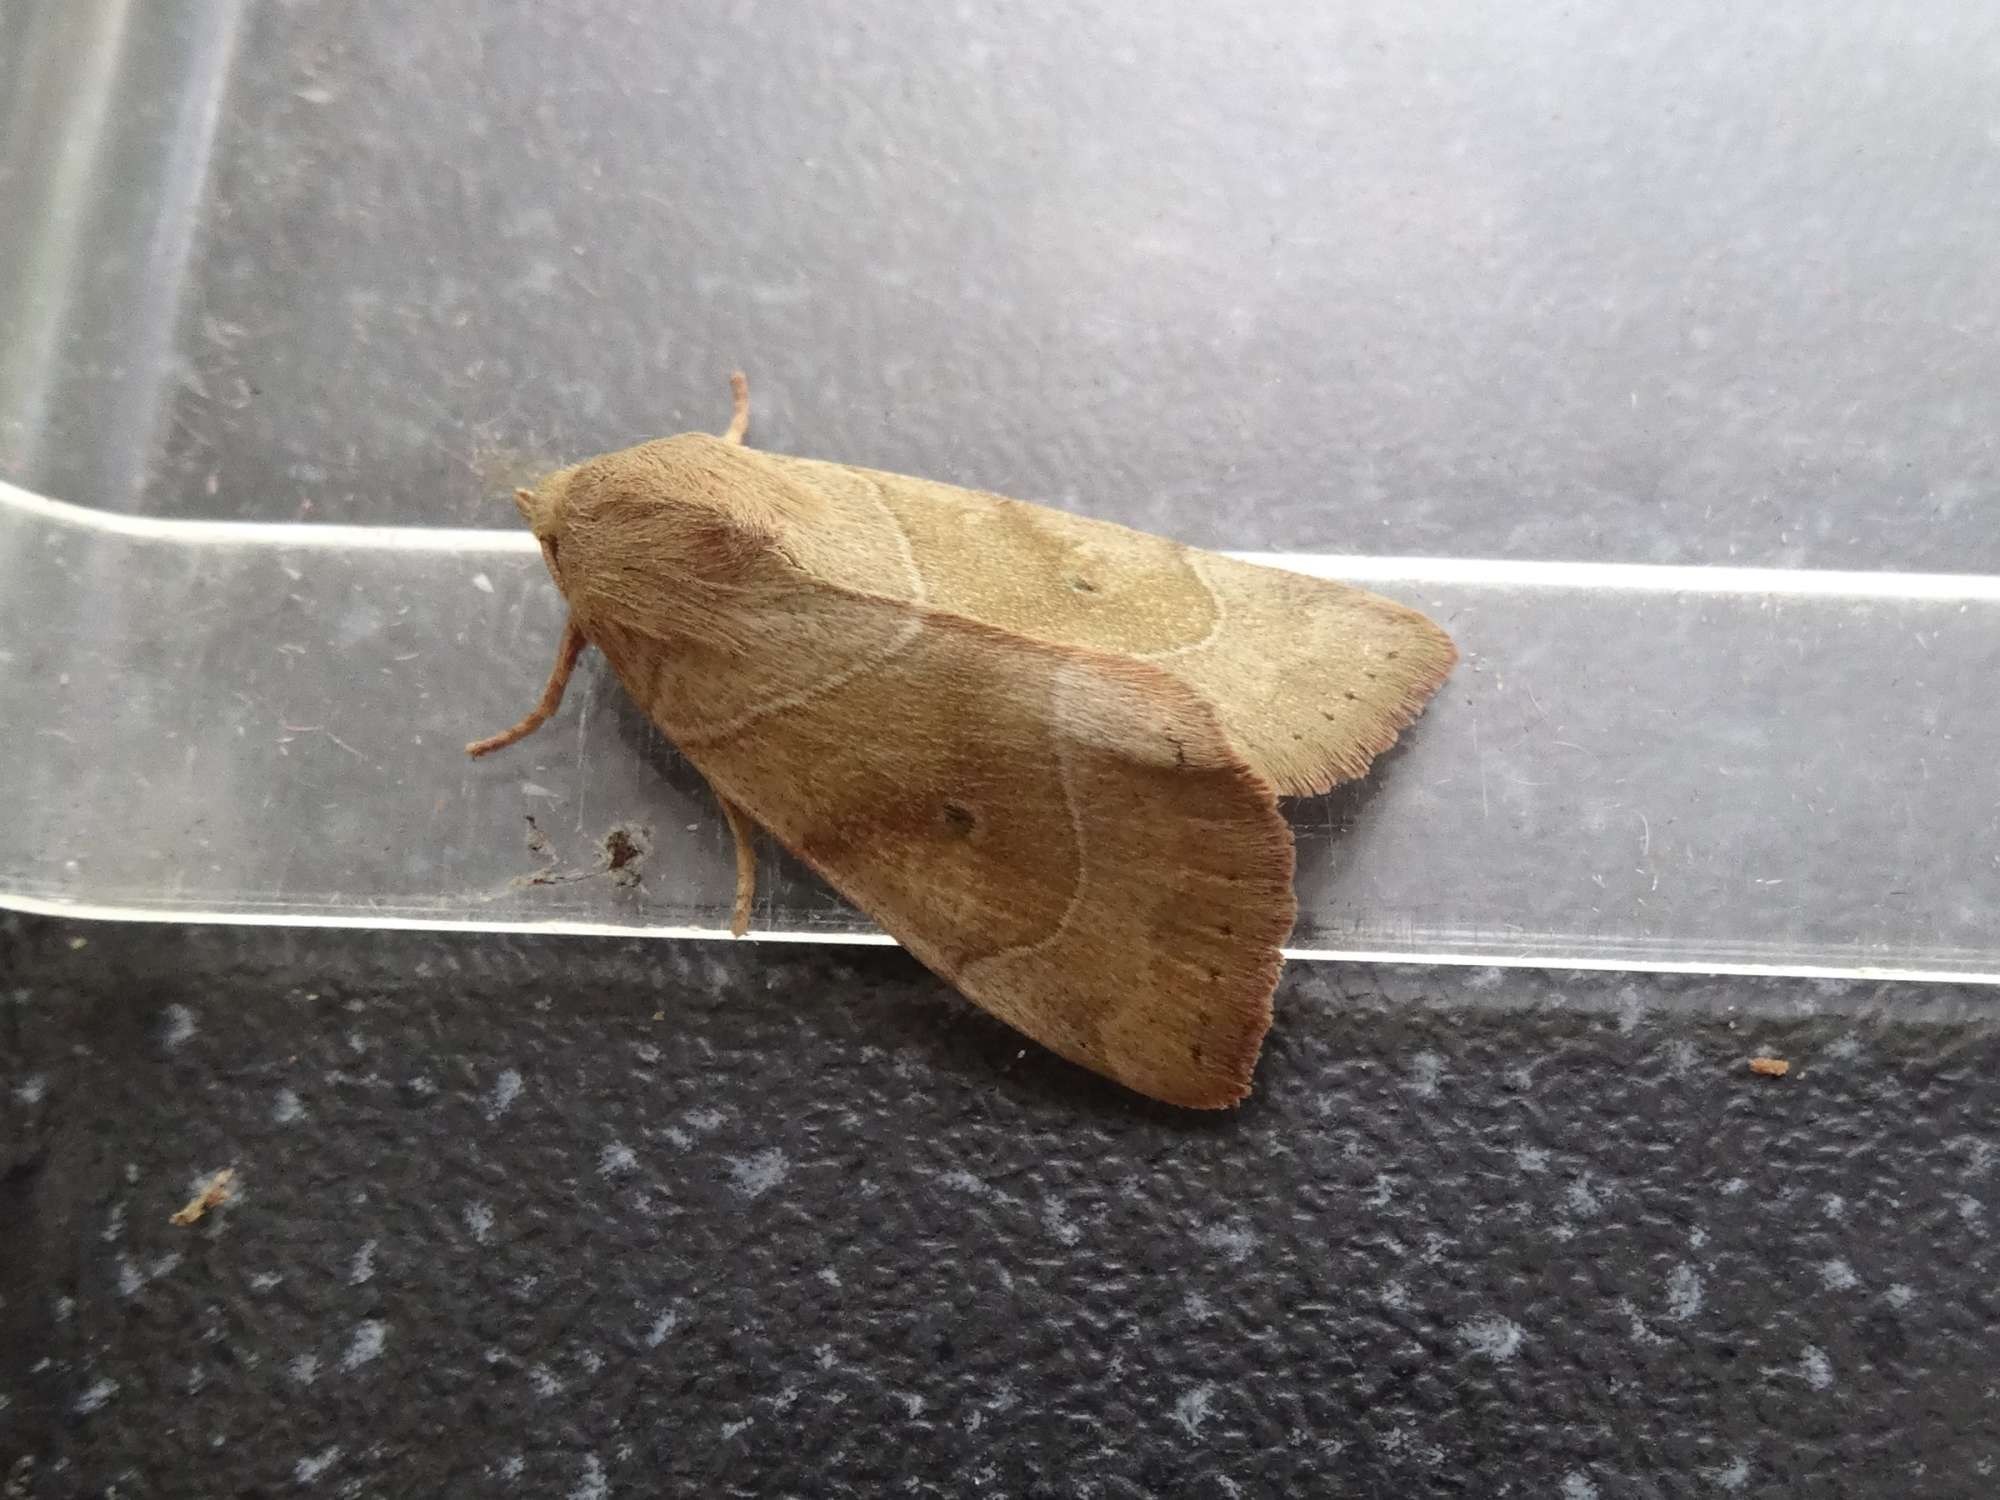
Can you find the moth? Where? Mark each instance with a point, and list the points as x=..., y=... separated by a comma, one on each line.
x=1044, y=753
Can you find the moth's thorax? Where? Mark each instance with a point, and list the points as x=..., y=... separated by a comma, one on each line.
x=664, y=539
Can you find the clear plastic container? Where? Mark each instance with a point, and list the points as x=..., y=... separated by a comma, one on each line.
x=292, y=296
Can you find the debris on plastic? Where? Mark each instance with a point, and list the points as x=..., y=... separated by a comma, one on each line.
x=213, y=1194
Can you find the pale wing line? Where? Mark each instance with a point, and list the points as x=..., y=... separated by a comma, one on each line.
x=912, y=628
x=784, y=701
x=903, y=547
x=1076, y=896
x=1214, y=631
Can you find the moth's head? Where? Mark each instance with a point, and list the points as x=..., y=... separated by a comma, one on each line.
x=543, y=508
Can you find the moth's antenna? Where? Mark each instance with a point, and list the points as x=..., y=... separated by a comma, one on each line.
x=739, y=416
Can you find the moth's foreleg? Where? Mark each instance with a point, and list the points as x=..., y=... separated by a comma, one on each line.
x=552, y=694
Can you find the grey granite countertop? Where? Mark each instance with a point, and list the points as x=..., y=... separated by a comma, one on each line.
x=589, y=1217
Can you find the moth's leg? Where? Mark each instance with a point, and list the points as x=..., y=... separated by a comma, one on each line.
x=552, y=695
x=746, y=864
x=739, y=413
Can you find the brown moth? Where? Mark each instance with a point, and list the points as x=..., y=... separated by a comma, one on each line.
x=1044, y=753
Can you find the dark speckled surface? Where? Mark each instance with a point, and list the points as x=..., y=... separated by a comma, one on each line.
x=602, y=1217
